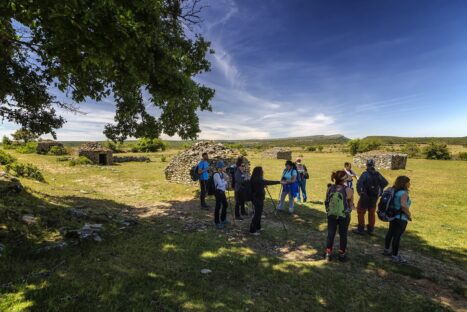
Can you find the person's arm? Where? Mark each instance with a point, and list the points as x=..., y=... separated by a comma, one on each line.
x=217, y=180
x=405, y=207
x=349, y=193
x=269, y=182
x=383, y=181
x=360, y=183
x=201, y=168
x=294, y=177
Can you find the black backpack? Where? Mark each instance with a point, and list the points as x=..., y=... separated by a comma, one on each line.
x=386, y=210
x=210, y=186
x=194, y=174
x=373, y=184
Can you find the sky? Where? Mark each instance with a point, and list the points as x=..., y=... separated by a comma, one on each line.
x=287, y=68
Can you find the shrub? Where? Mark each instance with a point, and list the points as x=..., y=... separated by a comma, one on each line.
x=354, y=146
x=243, y=152
x=311, y=149
x=115, y=147
x=437, y=151
x=163, y=158
x=81, y=160
x=27, y=148
x=320, y=148
x=6, y=158
x=411, y=149
x=361, y=146
x=64, y=158
x=6, y=142
x=24, y=135
x=57, y=150
x=149, y=145
x=463, y=156
x=25, y=170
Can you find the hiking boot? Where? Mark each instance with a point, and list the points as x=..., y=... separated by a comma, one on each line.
x=225, y=222
x=343, y=257
x=239, y=218
x=255, y=233
x=370, y=231
x=398, y=259
x=387, y=252
x=358, y=231
x=219, y=226
x=304, y=200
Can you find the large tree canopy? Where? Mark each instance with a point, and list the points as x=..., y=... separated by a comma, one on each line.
x=100, y=48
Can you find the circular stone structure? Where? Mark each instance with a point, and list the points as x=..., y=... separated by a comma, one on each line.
x=390, y=161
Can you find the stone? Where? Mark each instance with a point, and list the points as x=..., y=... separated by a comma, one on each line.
x=205, y=271
x=178, y=169
x=390, y=161
x=43, y=147
x=120, y=159
x=78, y=213
x=278, y=153
x=29, y=219
x=57, y=246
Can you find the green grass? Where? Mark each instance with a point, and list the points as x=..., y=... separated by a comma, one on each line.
x=155, y=266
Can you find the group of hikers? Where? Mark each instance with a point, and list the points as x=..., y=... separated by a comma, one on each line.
x=393, y=203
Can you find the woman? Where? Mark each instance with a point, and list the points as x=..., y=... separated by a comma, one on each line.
x=258, y=195
x=241, y=175
x=338, y=216
x=289, y=186
x=220, y=184
x=302, y=177
x=350, y=173
x=399, y=224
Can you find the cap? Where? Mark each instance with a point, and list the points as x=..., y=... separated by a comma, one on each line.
x=370, y=163
x=220, y=164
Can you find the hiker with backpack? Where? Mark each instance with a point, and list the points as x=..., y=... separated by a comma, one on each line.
x=302, y=177
x=289, y=186
x=350, y=174
x=401, y=207
x=339, y=204
x=203, y=176
x=370, y=186
x=221, y=181
x=258, y=183
x=238, y=181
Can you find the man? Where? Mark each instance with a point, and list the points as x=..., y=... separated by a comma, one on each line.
x=302, y=177
x=240, y=176
x=370, y=186
x=203, y=167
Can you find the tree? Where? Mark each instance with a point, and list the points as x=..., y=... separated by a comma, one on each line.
x=97, y=49
x=24, y=135
x=437, y=151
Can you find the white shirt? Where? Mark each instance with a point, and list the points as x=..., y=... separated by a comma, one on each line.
x=220, y=181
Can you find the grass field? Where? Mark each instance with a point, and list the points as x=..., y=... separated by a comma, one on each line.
x=155, y=265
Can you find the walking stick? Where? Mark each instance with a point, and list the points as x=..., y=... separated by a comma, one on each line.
x=275, y=211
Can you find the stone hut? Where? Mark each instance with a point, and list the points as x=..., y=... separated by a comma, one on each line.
x=43, y=147
x=278, y=153
x=98, y=154
x=391, y=161
x=178, y=169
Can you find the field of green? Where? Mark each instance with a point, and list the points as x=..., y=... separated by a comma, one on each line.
x=156, y=265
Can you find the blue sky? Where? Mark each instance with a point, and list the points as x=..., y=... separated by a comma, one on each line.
x=297, y=67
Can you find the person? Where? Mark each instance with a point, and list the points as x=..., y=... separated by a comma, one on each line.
x=350, y=173
x=302, y=177
x=203, y=171
x=241, y=175
x=258, y=183
x=341, y=221
x=370, y=186
x=220, y=184
x=399, y=224
x=289, y=186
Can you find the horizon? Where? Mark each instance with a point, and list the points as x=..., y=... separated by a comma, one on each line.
x=299, y=68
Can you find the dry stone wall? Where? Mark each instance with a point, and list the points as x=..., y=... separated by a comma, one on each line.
x=278, y=153
x=178, y=169
x=390, y=161
x=43, y=147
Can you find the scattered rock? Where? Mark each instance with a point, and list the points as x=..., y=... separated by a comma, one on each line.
x=29, y=219
x=56, y=246
x=120, y=159
x=125, y=224
x=78, y=213
x=205, y=271
x=88, y=231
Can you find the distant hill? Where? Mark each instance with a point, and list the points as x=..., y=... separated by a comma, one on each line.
x=419, y=140
x=294, y=141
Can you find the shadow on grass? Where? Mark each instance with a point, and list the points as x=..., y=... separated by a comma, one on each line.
x=156, y=265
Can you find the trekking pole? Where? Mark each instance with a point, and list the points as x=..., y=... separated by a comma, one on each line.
x=230, y=205
x=275, y=212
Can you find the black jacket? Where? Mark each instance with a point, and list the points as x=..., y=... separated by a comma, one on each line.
x=257, y=188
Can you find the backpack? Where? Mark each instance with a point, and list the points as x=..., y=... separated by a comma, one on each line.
x=231, y=171
x=372, y=184
x=336, y=202
x=194, y=173
x=211, y=187
x=386, y=209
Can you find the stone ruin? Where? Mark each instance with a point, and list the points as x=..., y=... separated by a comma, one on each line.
x=391, y=161
x=178, y=169
x=43, y=147
x=278, y=153
x=96, y=153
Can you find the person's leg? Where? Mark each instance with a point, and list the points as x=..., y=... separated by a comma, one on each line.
x=400, y=229
x=237, y=204
x=303, y=187
x=282, y=199
x=371, y=220
x=343, y=230
x=256, y=217
x=299, y=199
x=291, y=202
x=361, y=220
x=224, y=207
x=202, y=189
x=332, y=227
x=260, y=213
x=217, y=208
x=389, y=235
x=242, y=205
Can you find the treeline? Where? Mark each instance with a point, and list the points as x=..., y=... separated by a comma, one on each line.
x=419, y=140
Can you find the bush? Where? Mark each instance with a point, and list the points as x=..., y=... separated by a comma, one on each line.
x=57, y=151
x=163, y=158
x=25, y=170
x=311, y=149
x=64, y=158
x=6, y=142
x=411, y=149
x=463, y=156
x=354, y=146
x=6, y=158
x=149, y=145
x=362, y=146
x=243, y=152
x=320, y=148
x=115, y=147
x=27, y=148
x=81, y=160
x=438, y=151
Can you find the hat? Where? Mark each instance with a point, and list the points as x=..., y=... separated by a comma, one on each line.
x=370, y=163
x=299, y=159
x=220, y=164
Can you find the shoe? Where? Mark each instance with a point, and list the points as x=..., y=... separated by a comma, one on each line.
x=255, y=233
x=219, y=226
x=343, y=257
x=358, y=231
x=370, y=231
x=205, y=207
x=328, y=255
x=225, y=222
x=290, y=213
x=387, y=252
x=304, y=200
x=239, y=218
x=398, y=259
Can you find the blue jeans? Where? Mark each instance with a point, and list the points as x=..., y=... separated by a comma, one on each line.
x=302, y=188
